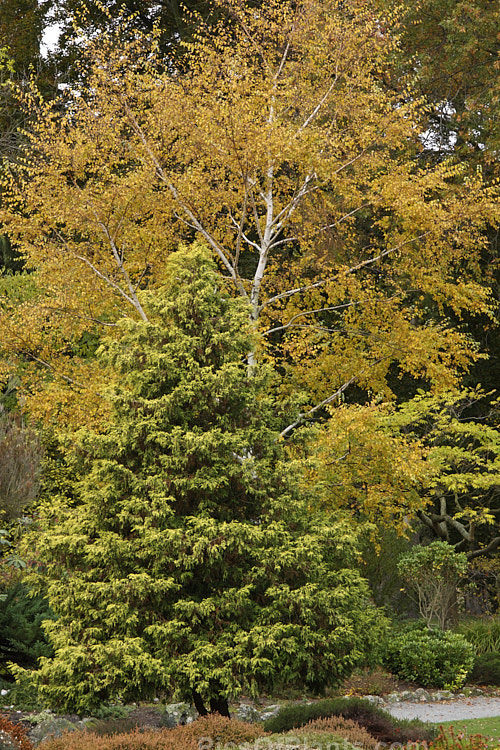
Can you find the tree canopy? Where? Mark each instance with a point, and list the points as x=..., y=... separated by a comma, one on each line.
x=282, y=146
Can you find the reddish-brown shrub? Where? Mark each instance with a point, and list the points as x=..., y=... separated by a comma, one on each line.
x=16, y=733
x=215, y=728
x=345, y=728
x=218, y=728
x=136, y=740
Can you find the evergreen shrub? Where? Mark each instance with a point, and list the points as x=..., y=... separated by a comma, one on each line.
x=23, y=694
x=22, y=638
x=191, y=563
x=486, y=670
x=439, y=659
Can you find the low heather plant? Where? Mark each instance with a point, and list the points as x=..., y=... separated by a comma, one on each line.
x=344, y=728
x=208, y=731
x=13, y=736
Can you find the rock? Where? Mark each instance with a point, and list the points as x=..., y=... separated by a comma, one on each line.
x=245, y=712
x=406, y=695
x=270, y=712
x=178, y=713
x=375, y=699
x=393, y=698
x=51, y=727
x=421, y=695
x=443, y=695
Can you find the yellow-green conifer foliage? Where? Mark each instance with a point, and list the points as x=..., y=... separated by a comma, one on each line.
x=191, y=563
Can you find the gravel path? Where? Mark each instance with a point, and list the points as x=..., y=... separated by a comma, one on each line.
x=466, y=708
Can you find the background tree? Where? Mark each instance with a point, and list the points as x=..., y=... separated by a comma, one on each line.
x=464, y=461
x=21, y=28
x=191, y=563
x=364, y=465
x=173, y=21
x=20, y=456
x=456, y=46
x=433, y=572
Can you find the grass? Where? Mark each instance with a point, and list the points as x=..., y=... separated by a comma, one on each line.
x=488, y=726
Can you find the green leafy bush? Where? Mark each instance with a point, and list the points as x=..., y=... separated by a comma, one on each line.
x=376, y=721
x=486, y=670
x=431, y=658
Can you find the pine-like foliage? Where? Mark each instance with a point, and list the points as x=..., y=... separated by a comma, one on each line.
x=21, y=636
x=191, y=564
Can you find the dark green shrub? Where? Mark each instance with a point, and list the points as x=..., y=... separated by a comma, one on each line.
x=486, y=670
x=431, y=658
x=22, y=639
x=112, y=711
x=297, y=715
x=23, y=695
x=376, y=721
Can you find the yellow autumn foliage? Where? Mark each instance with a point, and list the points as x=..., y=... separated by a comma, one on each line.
x=281, y=146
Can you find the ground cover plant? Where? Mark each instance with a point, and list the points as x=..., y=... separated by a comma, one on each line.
x=339, y=727
x=13, y=736
x=451, y=738
x=487, y=726
x=376, y=721
x=206, y=732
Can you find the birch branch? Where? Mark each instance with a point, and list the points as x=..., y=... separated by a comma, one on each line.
x=308, y=414
x=352, y=269
x=196, y=223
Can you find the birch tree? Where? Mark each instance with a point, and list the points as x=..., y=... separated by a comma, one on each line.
x=280, y=145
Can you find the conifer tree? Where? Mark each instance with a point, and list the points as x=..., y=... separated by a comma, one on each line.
x=191, y=564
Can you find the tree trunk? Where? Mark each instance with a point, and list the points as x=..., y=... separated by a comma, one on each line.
x=218, y=705
x=198, y=704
